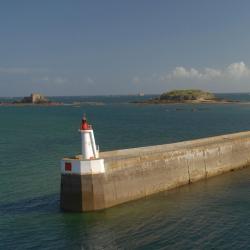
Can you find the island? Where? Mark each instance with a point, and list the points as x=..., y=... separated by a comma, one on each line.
x=33, y=99
x=185, y=96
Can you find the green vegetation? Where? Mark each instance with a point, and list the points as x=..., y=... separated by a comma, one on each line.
x=186, y=95
x=189, y=96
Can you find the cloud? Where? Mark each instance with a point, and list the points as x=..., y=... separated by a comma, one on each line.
x=89, y=80
x=235, y=70
x=238, y=70
x=14, y=71
x=210, y=73
x=59, y=80
x=19, y=70
x=181, y=72
x=49, y=80
x=136, y=79
x=44, y=79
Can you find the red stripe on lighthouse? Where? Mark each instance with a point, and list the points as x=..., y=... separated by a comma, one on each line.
x=85, y=125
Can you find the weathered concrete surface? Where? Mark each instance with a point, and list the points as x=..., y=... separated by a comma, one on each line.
x=135, y=173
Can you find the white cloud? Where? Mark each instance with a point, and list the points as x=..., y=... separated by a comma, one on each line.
x=238, y=69
x=181, y=72
x=210, y=73
x=233, y=71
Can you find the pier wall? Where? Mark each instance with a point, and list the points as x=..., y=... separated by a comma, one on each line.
x=135, y=173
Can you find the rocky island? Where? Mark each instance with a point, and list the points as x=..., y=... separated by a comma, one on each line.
x=185, y=96
x=33, y=99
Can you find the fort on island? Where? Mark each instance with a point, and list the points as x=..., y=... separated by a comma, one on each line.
x=97, y=180
x=35, y=98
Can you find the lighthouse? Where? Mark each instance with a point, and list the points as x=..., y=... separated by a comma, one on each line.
x=88, y=162
x=78, y=171
x=89, y=148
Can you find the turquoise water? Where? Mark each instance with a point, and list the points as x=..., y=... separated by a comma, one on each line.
x=212, y=214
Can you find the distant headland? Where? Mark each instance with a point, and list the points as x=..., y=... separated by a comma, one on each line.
x=185, y=96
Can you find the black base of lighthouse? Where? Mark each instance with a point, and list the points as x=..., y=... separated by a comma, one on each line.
x=81, y=192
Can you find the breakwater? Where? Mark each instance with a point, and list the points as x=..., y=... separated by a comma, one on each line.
x=138, y=172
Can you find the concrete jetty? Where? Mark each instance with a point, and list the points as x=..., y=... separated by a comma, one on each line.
x=125, y=175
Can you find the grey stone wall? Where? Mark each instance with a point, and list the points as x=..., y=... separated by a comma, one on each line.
x=135, y=173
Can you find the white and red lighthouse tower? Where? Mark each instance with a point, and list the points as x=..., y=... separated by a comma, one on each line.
x=89, y=148
x=88, y=162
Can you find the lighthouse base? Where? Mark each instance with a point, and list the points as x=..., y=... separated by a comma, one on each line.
x=80, y=167
x=81, y=184
x=82, y=192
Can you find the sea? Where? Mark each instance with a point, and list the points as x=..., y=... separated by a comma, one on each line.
x=209, y=214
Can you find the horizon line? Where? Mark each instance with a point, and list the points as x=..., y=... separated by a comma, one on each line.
x=116, y=95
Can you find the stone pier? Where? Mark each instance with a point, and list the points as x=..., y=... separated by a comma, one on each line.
x=135, y=173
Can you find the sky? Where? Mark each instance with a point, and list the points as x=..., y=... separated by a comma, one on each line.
x=77, y=47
